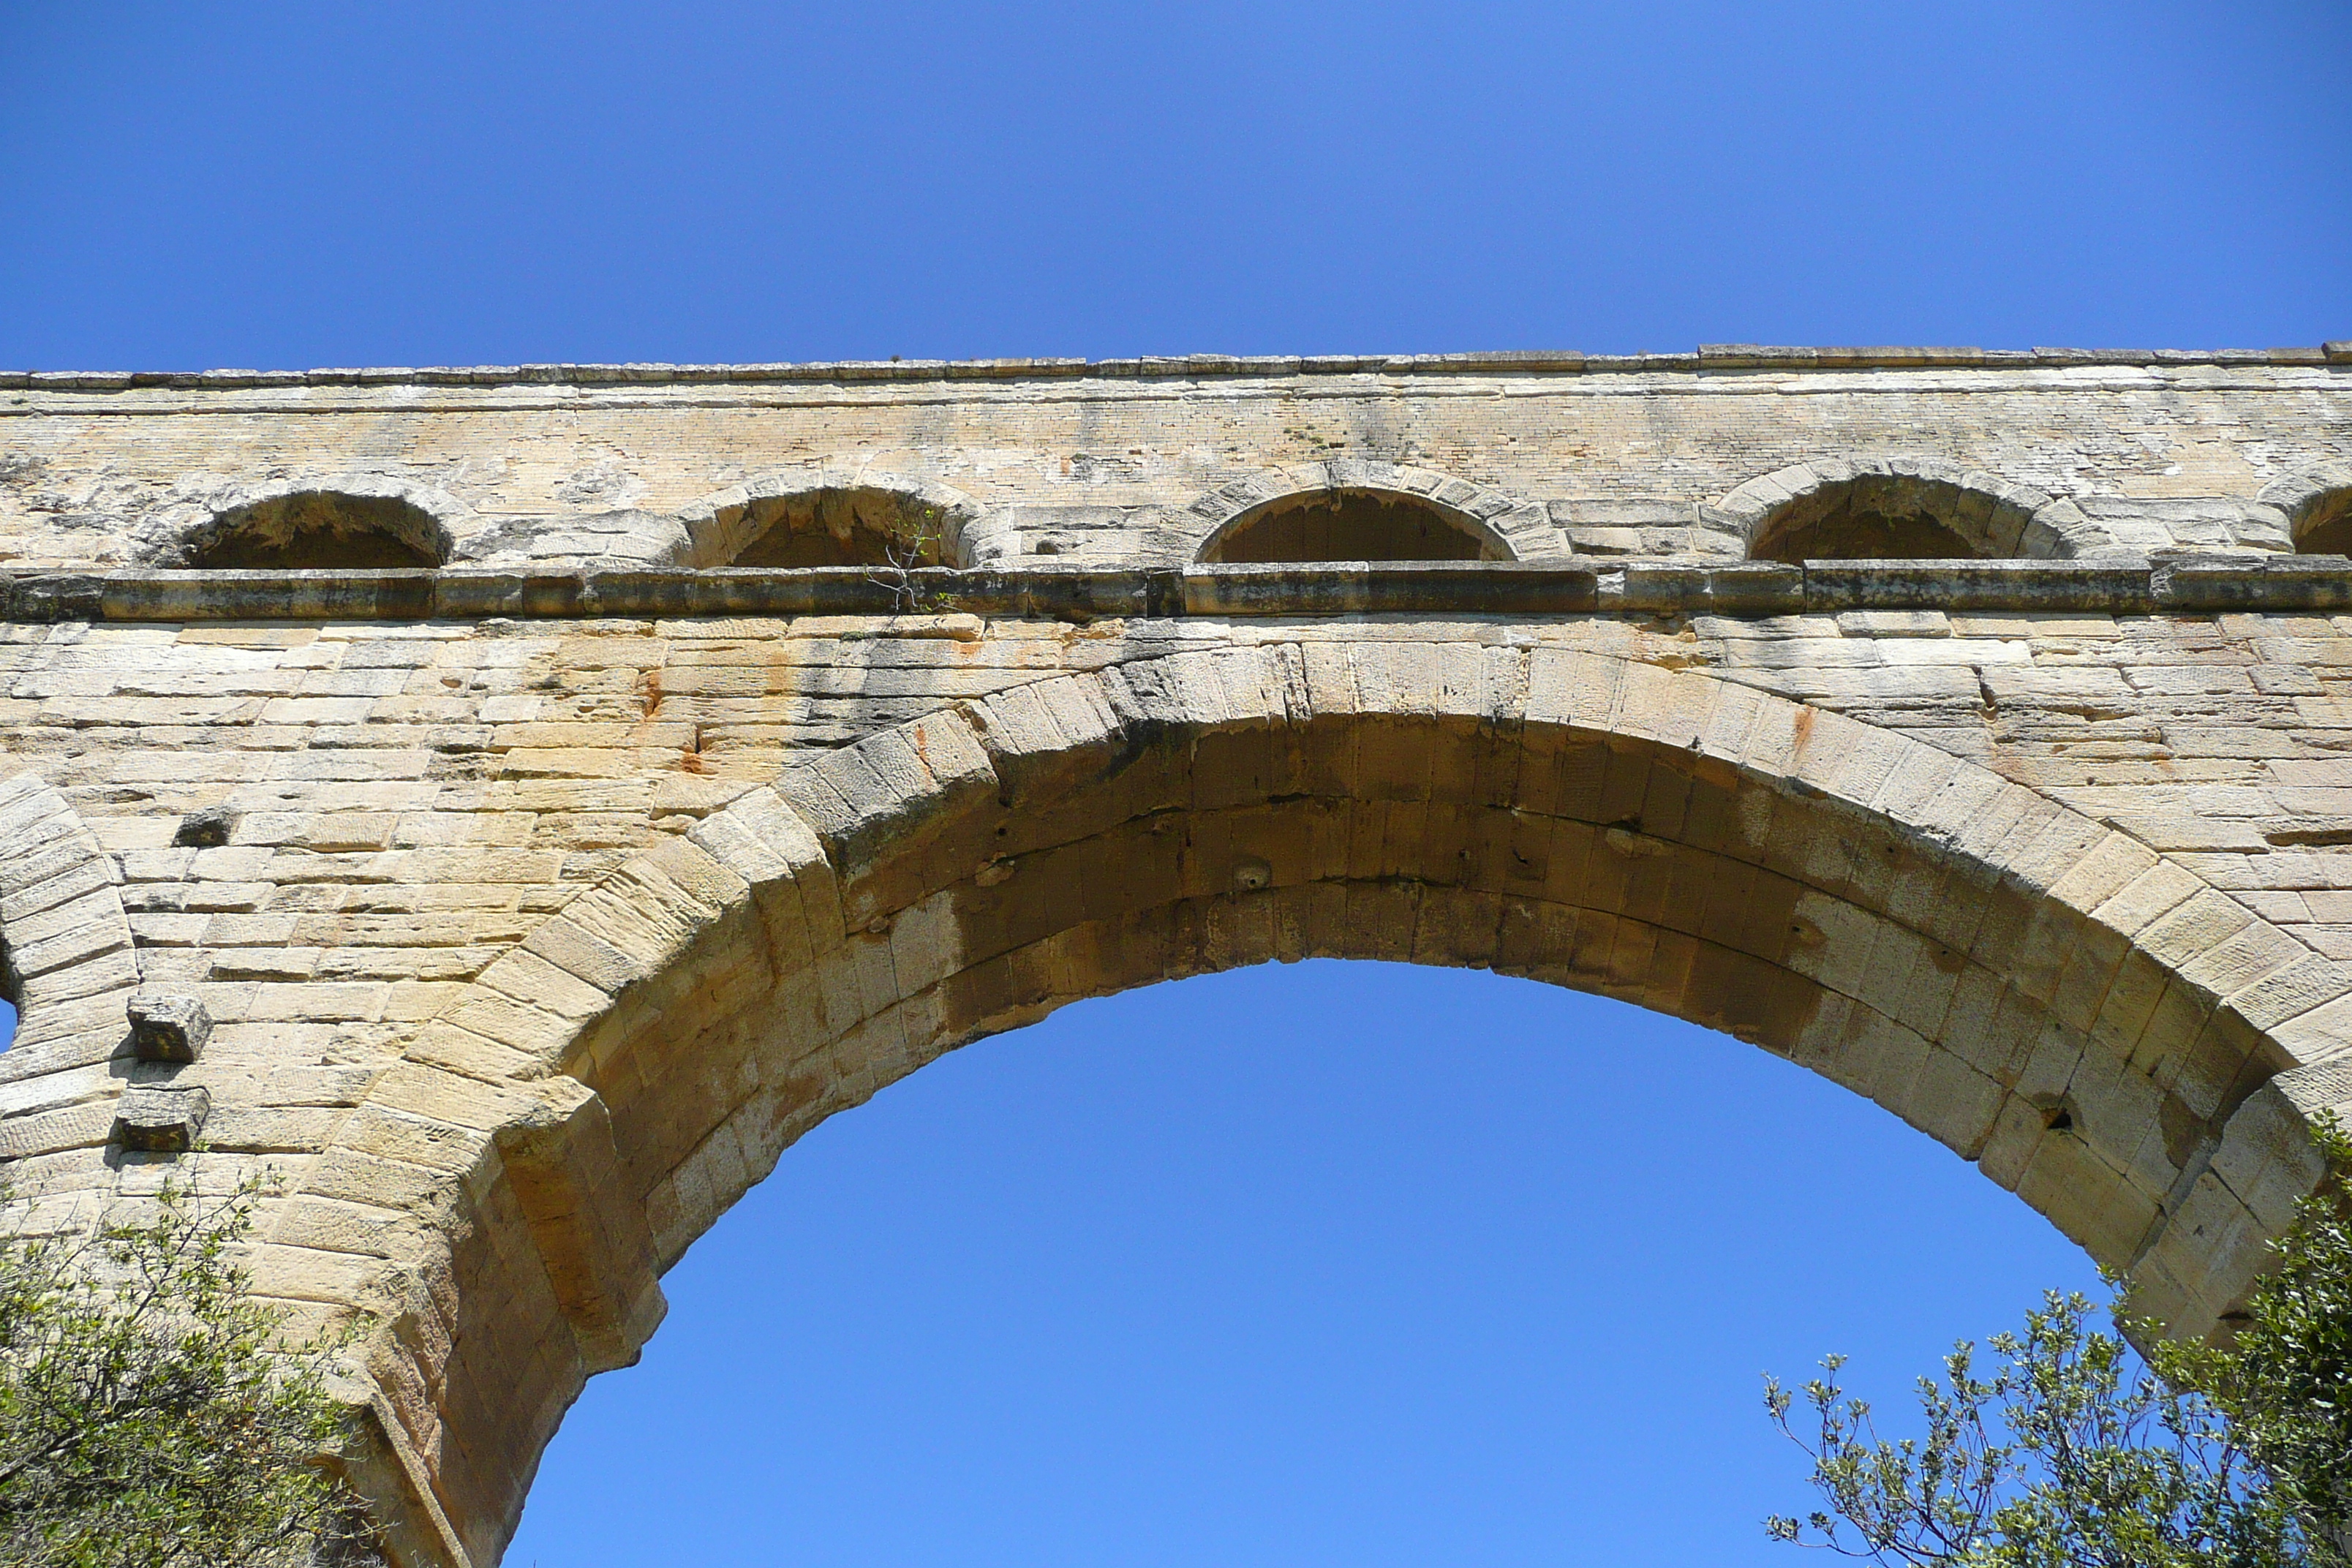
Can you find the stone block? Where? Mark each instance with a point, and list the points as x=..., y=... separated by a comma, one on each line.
x=207, y=827
x=161, y=1119
x=168, y=1026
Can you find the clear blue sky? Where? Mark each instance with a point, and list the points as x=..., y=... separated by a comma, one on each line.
x=200, y=185
x=1328, y=1265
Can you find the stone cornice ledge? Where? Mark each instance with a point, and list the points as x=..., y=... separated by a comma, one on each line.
x=2129, y=585
x=1708, y=356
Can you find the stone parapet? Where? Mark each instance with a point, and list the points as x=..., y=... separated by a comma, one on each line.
x=1707, y=356
x=2046, y=454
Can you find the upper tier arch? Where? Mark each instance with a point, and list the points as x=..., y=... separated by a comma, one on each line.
x=2128, y=1048
x=856, y=508
x=2318, y=504
x=1832, y=508
x=1490, y=525
x=311, y=519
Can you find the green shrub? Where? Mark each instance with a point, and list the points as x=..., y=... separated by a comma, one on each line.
x=2077, y=1452
x=148, y=1416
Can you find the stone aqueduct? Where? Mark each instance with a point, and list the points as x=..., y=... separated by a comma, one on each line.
x=535, y=796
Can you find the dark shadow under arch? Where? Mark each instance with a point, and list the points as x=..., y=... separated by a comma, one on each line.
x=2325, y=526
x=317, y=530
x=843, y=525
x=1348, y=523
x=1616, y=866
x=1886, y=517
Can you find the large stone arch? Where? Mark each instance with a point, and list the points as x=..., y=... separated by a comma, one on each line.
x=719, y=526
x=1519, y=531
x=1998, y=520
x=2127, y=1048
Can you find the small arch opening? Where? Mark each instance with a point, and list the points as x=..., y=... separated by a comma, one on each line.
x=842, y=526
x=1347, y=524
x=1886, y=517
x=314, y=531
x=2325, y=526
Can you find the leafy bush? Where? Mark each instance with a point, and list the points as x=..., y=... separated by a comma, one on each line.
x=2079, y=1453
x=147, y=1417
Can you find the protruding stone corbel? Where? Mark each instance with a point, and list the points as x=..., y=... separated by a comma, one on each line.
x=159, y=1120
x=168, y=1027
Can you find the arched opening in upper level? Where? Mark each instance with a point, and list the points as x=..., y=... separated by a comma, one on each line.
x=1348, y=523
x=2325, y=527
x=2037, y=991
x=842, y=526
x=1900, y=508
x=1861, y=519
x=316, y=529
x=1888, y=516
x=830, y=515
x=2315, y=503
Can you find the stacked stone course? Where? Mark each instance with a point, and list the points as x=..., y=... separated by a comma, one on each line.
x=535, y=904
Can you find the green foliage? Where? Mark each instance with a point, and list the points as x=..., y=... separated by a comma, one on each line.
x=2077, y=1453
x=2284, y=1379
x=146, y=1418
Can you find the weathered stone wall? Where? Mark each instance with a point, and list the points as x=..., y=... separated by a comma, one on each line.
x=1126, y=462
x=537, y=905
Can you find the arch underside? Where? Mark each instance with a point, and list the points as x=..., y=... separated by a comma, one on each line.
x=1890, y=517
x=1975, y=958
x=1620, y=868
x=1351, y=525
x=318, y=529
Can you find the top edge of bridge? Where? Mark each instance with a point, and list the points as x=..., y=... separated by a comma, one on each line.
x=1707, y=357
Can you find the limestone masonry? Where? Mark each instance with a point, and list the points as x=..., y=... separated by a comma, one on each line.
x=515, y=804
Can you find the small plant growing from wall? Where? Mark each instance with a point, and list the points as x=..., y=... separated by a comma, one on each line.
x=150, y=1417
x=919, y=544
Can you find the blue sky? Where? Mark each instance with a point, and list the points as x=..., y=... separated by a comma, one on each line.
x=1332, y=1264
x=193, y=186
